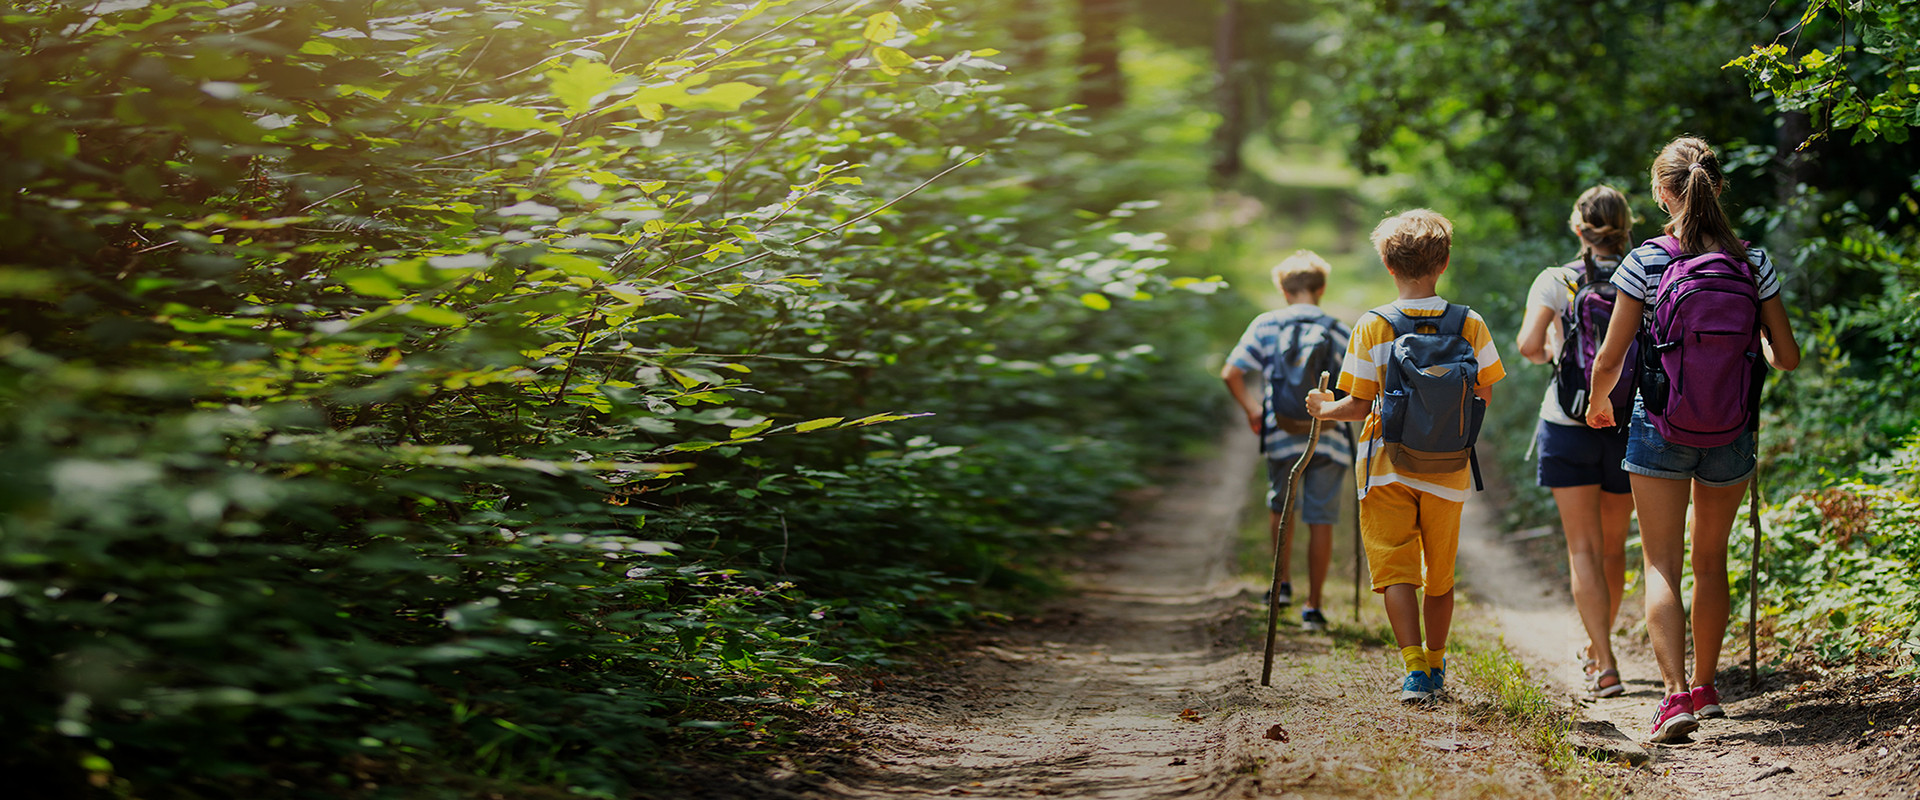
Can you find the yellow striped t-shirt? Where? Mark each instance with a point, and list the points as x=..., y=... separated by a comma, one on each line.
x=1371, y=344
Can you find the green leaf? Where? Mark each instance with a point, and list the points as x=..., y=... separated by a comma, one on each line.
x=892, y=60
x=576, y=85
x=724, y=97
x=1096, y=301
x=431, y=315
x=817, y=424
x=881, y=27
x=504, y=117
x=751, y=430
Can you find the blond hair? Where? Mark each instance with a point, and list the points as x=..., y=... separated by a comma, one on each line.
x=1690, y=172
x=1603, y=221
x=1414, y=244
x=1304, y=271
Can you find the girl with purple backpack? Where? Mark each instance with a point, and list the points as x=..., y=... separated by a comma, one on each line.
x=1568, y=311
x=1706, y=308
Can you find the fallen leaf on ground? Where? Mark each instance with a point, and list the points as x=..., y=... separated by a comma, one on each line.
x=1277, y=734
x=1178, y=762
x=1190, y=715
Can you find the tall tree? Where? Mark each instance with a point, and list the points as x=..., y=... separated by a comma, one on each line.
x=1101, y=84
x=1231, y=93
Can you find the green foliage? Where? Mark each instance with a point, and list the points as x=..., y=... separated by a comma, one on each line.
x=1862, y=80
x=1837, y=571
x=484, y=395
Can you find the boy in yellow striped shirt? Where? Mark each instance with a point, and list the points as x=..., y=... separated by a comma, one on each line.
x=1409, y=520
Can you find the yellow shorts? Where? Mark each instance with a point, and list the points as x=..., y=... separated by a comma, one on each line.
x=1411, y=537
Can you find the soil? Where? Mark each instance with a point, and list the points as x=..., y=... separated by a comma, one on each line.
x=1144, y=683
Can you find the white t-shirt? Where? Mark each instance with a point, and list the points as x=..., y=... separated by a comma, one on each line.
x=1553, y=289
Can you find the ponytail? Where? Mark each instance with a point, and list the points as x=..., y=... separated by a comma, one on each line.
x=1690, y=172
x=1604, y=222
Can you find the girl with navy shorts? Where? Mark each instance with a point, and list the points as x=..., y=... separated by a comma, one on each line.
x=1581, y=465
x=1687, y=181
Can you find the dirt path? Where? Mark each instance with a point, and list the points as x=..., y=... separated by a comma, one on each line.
x=1802, y=736
x=1145, y=685
x=1089, y=702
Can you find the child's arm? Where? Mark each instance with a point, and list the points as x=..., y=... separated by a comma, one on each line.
x=1321, y=405
x=1237, y=386
x=1777, y=339
x=1533, y=333
x=1607, y=364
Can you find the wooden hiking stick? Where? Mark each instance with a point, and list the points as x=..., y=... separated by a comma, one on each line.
x=1353, y=450
x=1753, y=584
x=1286, y=518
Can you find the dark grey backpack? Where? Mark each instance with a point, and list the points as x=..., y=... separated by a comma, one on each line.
x=1304, y=350
x=1429, y=414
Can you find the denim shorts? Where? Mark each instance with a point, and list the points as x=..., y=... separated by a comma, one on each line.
x=1320, y=487
x=1581, y=456
x=1650, y=455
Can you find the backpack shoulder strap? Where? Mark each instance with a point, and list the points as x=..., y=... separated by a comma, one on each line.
x=1453, y=321
x=1402, y=324
x=1667, y=244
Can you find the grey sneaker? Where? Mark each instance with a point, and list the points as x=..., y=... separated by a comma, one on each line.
x=1313, y=620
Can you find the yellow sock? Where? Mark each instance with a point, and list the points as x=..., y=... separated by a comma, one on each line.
x=1416, y=658
x=1437, y=659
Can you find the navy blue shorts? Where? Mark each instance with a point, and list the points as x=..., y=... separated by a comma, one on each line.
x=1581, y=456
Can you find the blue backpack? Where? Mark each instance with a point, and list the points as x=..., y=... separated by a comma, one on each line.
x=1304, y=349
x=1429, y=413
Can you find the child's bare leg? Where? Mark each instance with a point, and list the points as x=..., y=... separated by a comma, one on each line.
x=1662, y=503
x=1319, y=555
x=1714, y=510
x=1616, y=513
x=1403, y=613
x=1580, y=519
x=1438, y=613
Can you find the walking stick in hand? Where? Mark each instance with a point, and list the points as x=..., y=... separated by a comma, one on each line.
x=1753, y=586
x=1286, y=517
x=1353, y=450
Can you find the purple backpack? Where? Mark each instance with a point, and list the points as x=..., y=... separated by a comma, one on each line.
x=1585, y=323
x=1701, y=350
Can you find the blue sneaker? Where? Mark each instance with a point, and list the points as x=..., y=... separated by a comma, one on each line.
x=1417, y=688
x=1438, y=677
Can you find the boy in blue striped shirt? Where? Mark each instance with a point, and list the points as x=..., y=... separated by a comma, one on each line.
x=1284, y=348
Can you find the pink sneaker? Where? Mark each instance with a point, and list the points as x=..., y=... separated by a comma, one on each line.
x=1674, y=719
x=1706, y=702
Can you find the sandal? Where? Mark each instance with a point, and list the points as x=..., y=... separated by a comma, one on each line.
x=1597, y=687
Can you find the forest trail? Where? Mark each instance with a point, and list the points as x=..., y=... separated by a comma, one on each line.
x=1089, y=703
x=1143, y=684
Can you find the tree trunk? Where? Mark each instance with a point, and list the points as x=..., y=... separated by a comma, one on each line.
x=1101, y=87
x=1028, y=26
x=1233, y=117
